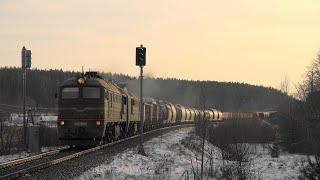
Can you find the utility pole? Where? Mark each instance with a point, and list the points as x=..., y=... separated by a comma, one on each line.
x=26, y=64
x=141, y=62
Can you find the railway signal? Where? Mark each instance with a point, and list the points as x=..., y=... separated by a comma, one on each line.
x=141, y=56
x=25, y=64
x=141, y=62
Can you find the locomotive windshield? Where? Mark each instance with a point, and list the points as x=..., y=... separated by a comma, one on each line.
x=70, y=93
x=91, y=92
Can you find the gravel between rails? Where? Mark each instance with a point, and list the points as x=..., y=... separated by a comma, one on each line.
x=73, y=168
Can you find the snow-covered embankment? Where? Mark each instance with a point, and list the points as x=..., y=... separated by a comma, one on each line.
x=168, y=158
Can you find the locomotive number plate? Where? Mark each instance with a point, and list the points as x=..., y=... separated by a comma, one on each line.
x=80, y=123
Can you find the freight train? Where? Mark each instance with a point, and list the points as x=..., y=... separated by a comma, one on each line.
x=93, y=111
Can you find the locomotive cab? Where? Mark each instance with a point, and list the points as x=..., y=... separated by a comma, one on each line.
x=92, y=111
x=81, y=112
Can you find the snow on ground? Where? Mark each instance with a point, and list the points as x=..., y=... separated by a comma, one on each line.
x=7, y=158
x=168, y=158
x=286, y=166
x=45, y=118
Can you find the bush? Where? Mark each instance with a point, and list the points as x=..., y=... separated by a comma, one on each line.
x=237, y=162
x=241, y=131
x=311, y=168
x=11, y=139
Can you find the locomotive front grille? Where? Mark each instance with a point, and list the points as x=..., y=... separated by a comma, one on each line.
x=74, y=113
x=80, y=131
x=75, y=129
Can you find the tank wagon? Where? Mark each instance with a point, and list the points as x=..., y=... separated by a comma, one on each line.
x=192, y=116
x=188, y=114
x=174, y=118
x=181, y=113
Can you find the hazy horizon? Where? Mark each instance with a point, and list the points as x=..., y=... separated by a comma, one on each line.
x=146, y=75
x=252, y=41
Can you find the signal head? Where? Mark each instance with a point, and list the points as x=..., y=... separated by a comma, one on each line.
x=141, y=56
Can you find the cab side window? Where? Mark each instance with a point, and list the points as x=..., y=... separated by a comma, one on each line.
x=124, y=100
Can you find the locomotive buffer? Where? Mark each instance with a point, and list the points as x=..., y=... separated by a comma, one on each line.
x=141, y=61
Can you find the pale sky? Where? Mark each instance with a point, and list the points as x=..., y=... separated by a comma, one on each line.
x=253, y=41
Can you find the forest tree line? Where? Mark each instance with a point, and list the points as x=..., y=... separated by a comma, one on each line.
x=227, y=96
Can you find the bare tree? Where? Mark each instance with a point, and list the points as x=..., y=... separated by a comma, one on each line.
x=301, y=90
x=284, y=85
x=311, y=168
x=311, y=81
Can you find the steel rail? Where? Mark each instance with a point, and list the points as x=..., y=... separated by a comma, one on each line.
x=29, y=158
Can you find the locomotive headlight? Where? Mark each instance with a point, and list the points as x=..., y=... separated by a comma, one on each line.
x=81, y=81
x=98, y=123
x=61, y=123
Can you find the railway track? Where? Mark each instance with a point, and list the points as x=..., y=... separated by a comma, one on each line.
x=29, y=165
x=19, y=167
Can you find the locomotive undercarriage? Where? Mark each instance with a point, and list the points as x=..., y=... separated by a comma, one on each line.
x=118, y=130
